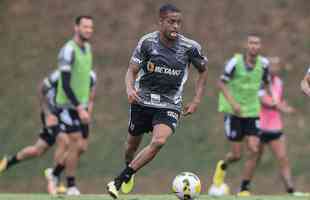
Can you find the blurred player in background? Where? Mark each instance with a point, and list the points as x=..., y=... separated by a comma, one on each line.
x=74, y=97
x=245, y=75
x=155, y=78
x=271, y=125
x=50, y=132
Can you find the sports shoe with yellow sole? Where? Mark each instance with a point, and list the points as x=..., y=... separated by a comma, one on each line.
x=61, y=189
x=112, y=190
x=219, y=175
x=3, y=164
x=244, y=193
x=127, y=187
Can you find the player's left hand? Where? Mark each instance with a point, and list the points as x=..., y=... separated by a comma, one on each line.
x=83, y=114
x=190, y=108
x=286, y=109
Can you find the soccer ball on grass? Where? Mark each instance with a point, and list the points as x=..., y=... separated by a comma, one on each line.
x=186, y=186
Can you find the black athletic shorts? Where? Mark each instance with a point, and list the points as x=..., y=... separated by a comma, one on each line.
x=70, y=122
x=267, y=136
x=142, y=118
x=238, y=127
x=47, y=135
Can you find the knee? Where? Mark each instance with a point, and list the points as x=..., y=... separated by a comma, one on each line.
x=82, y=147
x=158, y=143
x=36, y=152
x=254, y=150
x=283, y=160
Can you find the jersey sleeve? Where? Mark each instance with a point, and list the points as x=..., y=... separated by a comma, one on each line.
x=66, y=58
x=54, y=77
x=46, y=86
x=266, y=76
x=139, y=54
x=50, y=82
x=197, y=59
x=229, y=70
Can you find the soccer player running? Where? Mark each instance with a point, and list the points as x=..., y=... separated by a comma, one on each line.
x=244, y=76
x=75, y=98
x=271, y=124
x=50, y=127
x=155, y=78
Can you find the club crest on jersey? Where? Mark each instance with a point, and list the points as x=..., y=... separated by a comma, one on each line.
x=150, y=67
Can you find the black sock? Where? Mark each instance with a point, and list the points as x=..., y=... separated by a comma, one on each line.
x=290, y=190
x=12, y=161
x=58, y=169
x=245, y=185
x=224, y=166
x=123, y=177
x=70, y=181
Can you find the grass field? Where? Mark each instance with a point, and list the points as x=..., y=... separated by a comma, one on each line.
x=138, y=197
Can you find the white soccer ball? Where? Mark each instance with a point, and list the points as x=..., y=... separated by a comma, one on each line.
x=217, y=191
x=186, y=186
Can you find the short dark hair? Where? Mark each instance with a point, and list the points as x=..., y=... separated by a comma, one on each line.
x=165, y=8
x=79, y=18
x=254, y=34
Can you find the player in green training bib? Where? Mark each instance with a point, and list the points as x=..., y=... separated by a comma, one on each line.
x=244, y=77
x=74, y=97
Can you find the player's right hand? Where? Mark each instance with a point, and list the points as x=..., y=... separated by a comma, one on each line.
x=132, y=95
x=237, y=109
x=83, y=114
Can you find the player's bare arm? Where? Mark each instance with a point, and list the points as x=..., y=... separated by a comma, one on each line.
x=234, y=104
x=42, y=98
x=130, y=78
x=284, y=107
x=51, y=119
x=200, y=91
x=91, y=101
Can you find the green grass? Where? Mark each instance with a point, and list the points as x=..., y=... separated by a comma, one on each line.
x=137, y=197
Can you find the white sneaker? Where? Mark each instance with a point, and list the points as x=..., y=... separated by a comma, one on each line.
x=52, y=181
x=73, y=191
x=112, y=190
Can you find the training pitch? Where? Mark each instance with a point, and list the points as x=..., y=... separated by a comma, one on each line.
x=138, y=197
